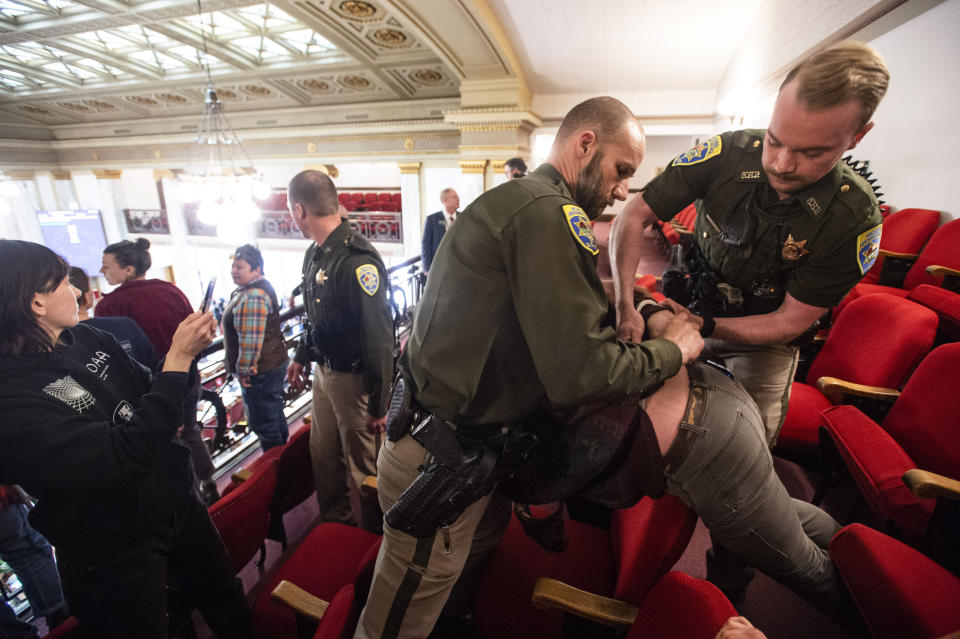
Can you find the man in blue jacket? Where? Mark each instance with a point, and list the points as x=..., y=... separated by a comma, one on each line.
x=437, y=224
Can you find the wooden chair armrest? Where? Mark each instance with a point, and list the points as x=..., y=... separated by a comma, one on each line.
x=550, y=593
x=369, y=484
x=902, y=256
x=241, y=475
x=942, y=271
x=301, y=601
x=923, y=483
x=684, y=231
x=835, y=389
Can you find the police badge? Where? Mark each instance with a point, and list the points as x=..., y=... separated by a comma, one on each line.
x=793, y=249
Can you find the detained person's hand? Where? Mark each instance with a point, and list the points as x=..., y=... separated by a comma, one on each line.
x=194, y=334
x=739, y=628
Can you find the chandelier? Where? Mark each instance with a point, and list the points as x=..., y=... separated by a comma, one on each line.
x=220, y=178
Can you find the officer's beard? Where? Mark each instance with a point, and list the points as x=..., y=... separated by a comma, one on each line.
x=588, y=191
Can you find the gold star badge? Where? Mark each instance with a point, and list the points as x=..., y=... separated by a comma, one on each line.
x=322, y=277
x=794, y=249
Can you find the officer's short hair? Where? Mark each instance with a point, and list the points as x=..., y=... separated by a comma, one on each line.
x=517, y=164
x=447, y=191
x=848, y=71
x=251, y=255
x=314, y=191
x=605, y=116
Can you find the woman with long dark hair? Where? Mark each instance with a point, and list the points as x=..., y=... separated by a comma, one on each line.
x=88, y=432
x=157, y=307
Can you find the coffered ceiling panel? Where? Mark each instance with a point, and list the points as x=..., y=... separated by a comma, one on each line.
x=65, y=61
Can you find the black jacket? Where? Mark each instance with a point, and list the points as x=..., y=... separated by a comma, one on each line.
x=85, y=430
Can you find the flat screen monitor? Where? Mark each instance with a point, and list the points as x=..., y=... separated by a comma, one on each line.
x=76, y=235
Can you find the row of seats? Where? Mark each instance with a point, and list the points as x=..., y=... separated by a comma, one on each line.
x=370, y=201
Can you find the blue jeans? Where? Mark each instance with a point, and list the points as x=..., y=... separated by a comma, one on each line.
x=263, y=401
x=31, y=557
x=726, y=476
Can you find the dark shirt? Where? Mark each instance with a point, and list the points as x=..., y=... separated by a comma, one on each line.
x=131, y=337
x=815, y=244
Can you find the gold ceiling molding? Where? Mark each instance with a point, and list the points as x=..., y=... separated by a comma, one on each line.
x=60, y=175
x=497, y=165
x=468, y=167
x=327, y=169
x=19, y=175
x=159, y=174
x=109, y=174
x=492, y=119
x=409, y=168
x=485, y=128
x=357, y=10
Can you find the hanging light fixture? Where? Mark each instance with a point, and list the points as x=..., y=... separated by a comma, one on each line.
x=221, y=177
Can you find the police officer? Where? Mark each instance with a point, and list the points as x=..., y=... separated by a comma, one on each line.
x=514, y=316
x=349, y=335
x=784, y=227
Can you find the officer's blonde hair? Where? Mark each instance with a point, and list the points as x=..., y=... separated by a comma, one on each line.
x=315, y=192
x=847, y=71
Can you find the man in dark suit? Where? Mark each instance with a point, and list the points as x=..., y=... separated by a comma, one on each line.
x=437, y=224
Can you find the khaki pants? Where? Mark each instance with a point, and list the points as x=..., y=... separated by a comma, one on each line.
x=342, y=451
x=765, y=371
x=415, y=577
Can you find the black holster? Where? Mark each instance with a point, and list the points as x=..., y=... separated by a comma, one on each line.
x=455, y=477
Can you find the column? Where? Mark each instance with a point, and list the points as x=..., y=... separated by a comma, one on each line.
x=471, y=183
x=410, y=202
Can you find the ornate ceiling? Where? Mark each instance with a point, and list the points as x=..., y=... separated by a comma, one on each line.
x=66, y=61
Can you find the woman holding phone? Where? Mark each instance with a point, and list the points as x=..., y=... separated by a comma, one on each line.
x=88, y=432
x=157, y=307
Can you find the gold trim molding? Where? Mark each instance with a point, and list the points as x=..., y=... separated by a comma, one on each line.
x=468, y=167
x=409, y=168
x=109, y=174
x=60, y=175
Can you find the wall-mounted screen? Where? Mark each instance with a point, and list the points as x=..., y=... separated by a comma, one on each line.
x=76, y=235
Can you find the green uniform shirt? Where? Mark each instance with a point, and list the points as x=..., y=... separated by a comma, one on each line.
x=514, y=312
x=345, y=297
x=814, y=245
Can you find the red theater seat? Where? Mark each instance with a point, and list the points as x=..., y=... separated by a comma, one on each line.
x=900, y=592
x=920, y=431
x=326, y=565
x=941, y=250
x=946, y=304
x=243, y=516
x=876, y=341
x=625, y=562
x=905, y=231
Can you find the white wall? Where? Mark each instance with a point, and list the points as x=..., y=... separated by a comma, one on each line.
x=911, y=149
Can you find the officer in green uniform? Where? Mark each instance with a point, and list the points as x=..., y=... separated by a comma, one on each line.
x=349, y=336
x=784, y=228
x=514, y=315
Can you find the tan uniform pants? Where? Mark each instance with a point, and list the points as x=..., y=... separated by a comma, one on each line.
x=343, y=453
x=765, y=371
x=415, y=577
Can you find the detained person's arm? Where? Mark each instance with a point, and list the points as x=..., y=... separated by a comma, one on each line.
x=626, y=235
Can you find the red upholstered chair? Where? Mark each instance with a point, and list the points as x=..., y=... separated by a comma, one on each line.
x=900, y=592
x=905, y=231
x=242, y=517
x=678, y=606
x=69, y=629
x=396, y=197
x=330, y=558
x=946, y=304
x=876, y=341
x=294, y=477
x=885, y=210
x=940, y=255
x=920, y=431
x=643, y=543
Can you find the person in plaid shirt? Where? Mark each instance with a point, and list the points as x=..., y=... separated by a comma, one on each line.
x=31, y=557
x=254, y=348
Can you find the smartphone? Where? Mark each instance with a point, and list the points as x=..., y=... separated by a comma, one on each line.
x=208, y=295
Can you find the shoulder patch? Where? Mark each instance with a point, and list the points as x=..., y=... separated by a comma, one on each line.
x=369, y=278
x=580, y=227
x=700, y=153
x=868, y=247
